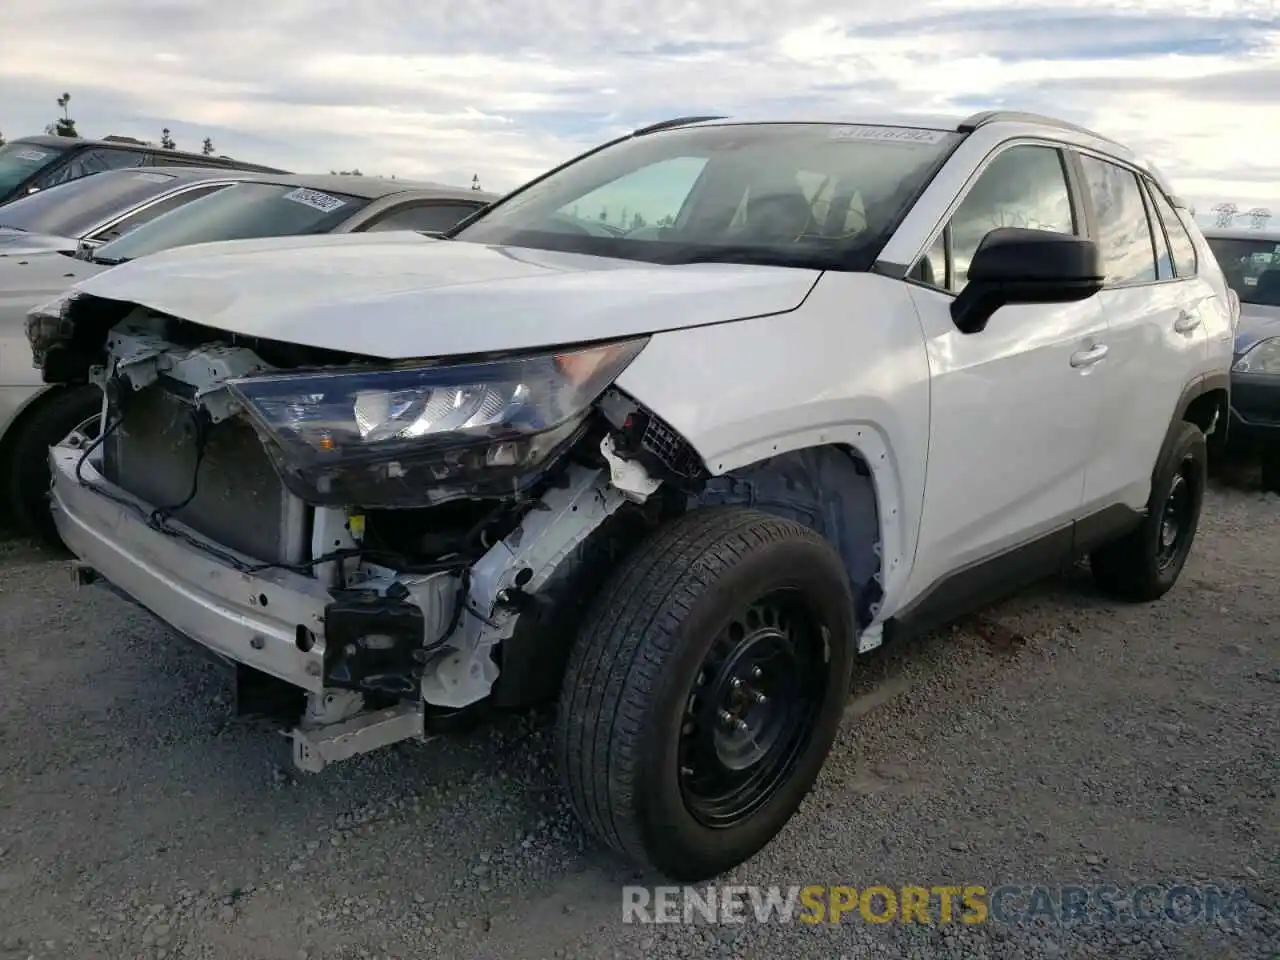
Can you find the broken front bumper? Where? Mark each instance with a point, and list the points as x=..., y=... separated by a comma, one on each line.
x=271, y=620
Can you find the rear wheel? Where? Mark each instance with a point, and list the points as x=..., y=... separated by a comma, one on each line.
x=1145, y=564
x=26, y=470
x=705, y=690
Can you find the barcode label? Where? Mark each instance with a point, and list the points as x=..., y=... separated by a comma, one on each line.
x=315, y=199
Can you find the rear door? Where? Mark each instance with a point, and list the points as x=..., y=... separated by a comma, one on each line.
x=1155, y=337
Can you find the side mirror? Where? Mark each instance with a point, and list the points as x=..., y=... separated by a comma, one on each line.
x=1017, y=265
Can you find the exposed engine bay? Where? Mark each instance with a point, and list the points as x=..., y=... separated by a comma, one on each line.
x=452, y=518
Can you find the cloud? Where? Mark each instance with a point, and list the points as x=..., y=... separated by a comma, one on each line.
x=507, y=88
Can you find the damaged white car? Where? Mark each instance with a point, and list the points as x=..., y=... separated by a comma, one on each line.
x=673, y=433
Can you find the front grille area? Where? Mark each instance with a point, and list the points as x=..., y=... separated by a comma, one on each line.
x=239, y=501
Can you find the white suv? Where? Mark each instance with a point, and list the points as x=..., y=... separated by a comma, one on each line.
x=673, y=432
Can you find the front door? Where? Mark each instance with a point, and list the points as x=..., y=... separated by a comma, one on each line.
x=1015, y=407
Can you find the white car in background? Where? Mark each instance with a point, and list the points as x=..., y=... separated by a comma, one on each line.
x=821, y=385
x=193, y=209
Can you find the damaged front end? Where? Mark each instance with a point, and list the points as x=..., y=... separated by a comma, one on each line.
x=360, y=537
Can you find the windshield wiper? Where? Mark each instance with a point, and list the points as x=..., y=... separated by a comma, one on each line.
x=107, y=261
x=7, y=226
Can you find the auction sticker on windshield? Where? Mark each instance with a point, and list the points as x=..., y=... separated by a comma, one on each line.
x=889, y=134
x=315, y=199
x=35, y=156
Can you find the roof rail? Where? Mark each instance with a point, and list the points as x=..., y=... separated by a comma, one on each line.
x=668, y=124
x=970, y=124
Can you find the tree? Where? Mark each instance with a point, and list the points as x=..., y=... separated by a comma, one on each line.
x=475, y=181
x=1, y=139
x=207, y=148
x=1258, y=218
x=347, y=173
x=1226, y=213
x=166, y=141
x=64, y=126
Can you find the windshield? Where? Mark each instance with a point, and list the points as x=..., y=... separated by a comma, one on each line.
x=1252, y=268
x=240, y=212
x=20, y=160
x=789, y=194
x=74, y=208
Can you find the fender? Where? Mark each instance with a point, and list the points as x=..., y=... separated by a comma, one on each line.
x=848, y=369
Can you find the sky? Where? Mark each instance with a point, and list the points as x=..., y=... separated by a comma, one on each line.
x=505, y=89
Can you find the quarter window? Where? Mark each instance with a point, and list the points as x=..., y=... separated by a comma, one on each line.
x=1180, y=244
x=1025, y=186
x=1124, y=232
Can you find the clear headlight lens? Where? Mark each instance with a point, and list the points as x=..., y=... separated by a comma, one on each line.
x=1262, y=357
x=412, y=436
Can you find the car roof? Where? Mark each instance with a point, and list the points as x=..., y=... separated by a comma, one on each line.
x=49, y=140
x=1241, y=233
x=1017, y=121
x=372, y=188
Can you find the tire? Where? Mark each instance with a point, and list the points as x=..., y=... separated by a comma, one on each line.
x=1144, y=565
x=26, y=467
x=634, y=766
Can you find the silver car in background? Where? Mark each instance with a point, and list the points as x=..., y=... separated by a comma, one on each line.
x=34, y=416
x=96, y=209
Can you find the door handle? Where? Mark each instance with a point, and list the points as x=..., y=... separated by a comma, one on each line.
x=1087, y=358
x=1186, y=322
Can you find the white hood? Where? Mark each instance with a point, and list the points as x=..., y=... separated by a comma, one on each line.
x=402, y=295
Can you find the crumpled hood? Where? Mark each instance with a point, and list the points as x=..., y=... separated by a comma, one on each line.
x=15, y=243
x=402, y=295
x=1256, y=323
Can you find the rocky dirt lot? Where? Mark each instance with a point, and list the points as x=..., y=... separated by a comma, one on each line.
x=1059, y=739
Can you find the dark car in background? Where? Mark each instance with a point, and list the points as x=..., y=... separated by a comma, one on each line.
x=29, y=164
x=1251, y=261
x=94, y=210
x=34, y=416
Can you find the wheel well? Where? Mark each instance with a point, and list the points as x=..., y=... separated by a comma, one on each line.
x=1208, y=411
x=830, y=489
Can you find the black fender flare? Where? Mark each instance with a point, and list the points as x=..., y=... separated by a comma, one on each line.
x=1193, y=391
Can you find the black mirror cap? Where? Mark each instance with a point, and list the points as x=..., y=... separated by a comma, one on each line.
x=1021, y=255
x=1018, y=265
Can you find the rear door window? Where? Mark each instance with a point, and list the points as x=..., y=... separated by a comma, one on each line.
x=1124, y=232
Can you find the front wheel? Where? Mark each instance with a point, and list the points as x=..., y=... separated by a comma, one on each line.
x=51, y=419
x=1145, y=564
x=705, y=690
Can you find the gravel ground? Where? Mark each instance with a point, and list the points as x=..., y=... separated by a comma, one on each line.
x=1058, y=739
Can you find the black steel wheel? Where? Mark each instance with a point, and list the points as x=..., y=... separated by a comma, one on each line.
x=705, y=689
x=751, y=710
x=1145, y=564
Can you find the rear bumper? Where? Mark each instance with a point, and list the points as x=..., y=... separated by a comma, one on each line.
x=272, y=620
x=1255, y=411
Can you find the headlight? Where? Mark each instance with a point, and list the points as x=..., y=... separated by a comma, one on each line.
x=48, y=324
x=413, y=436
x=1262, y=357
